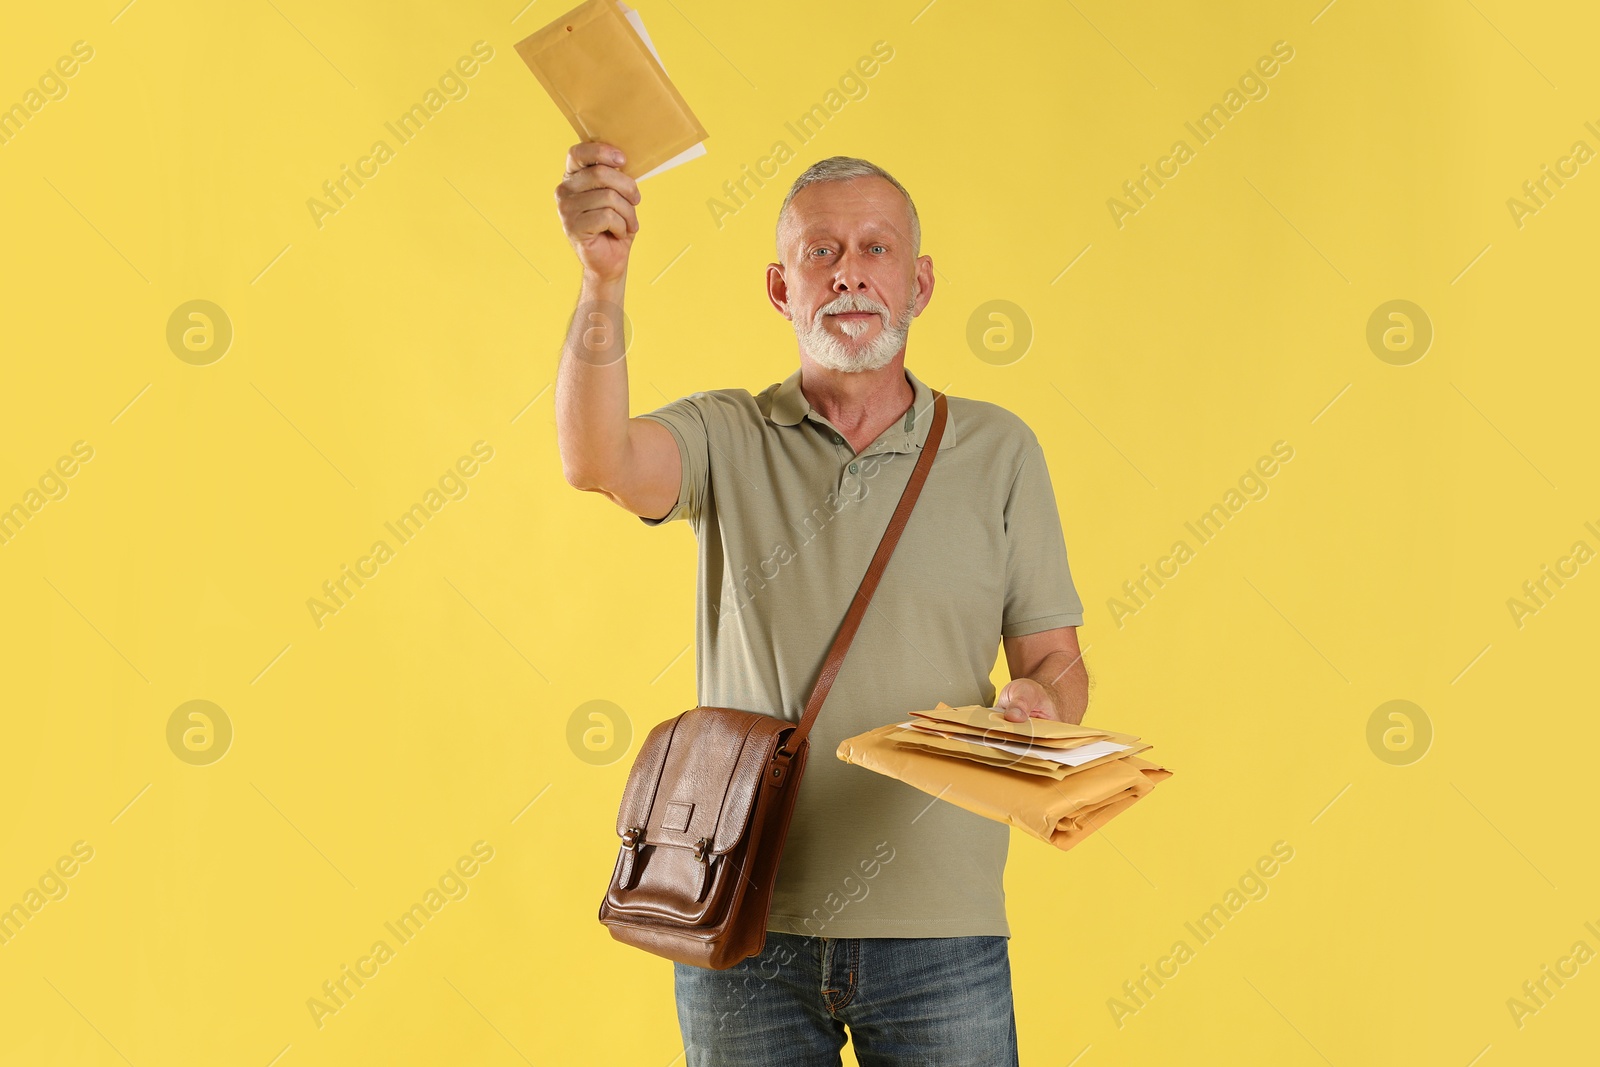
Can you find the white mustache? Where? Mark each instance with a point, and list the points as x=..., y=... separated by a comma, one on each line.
x=842, y=306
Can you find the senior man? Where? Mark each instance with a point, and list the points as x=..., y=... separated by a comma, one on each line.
x=888, y=913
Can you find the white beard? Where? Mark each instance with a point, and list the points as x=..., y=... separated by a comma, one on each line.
x=836, y=353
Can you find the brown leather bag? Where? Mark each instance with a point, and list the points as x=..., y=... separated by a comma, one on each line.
x=708, y=800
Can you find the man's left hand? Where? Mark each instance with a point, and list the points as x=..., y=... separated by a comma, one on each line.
x=1024, y=698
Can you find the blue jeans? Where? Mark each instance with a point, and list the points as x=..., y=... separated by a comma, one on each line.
x=922, y=1001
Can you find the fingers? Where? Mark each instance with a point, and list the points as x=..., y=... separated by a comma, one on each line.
x=600, y=176
x=603, y=220
x=594, y=196
x=588, y=153
x=1017, y=704
x=1008, y=707
x=579, y=205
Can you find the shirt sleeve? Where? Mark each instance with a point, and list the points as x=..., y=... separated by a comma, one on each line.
x=686, y=420
x=1040, y=594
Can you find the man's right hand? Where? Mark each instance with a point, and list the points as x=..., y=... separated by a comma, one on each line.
x=596, y=202
x=633, y=461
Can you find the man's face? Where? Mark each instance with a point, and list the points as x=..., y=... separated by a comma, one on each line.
x=850, y=282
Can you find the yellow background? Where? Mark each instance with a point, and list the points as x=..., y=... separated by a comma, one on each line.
x=369, y=354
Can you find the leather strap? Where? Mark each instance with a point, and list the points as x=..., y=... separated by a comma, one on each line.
x=869, y=583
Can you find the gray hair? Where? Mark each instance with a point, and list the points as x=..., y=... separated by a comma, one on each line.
x=843, y=168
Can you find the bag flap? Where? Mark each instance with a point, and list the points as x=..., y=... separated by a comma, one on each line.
x=698, y=775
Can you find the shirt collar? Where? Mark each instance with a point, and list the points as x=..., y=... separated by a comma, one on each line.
x=788, y=406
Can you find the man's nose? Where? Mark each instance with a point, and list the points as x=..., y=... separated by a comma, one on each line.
x=848, y=274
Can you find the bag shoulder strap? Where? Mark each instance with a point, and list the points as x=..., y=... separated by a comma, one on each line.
x=869, y=583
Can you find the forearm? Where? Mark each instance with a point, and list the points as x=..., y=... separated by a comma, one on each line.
x=592, y=385
x=1066, y=679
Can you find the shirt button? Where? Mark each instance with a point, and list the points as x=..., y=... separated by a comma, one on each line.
x=839, y=440
x=852, y=468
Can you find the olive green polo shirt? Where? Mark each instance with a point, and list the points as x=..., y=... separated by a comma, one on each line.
x=787, y=518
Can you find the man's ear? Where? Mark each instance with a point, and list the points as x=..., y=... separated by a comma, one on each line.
x=923, y=280
x=778, y=290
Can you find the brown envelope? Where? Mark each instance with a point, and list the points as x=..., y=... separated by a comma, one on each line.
x=977, y=753
x=608, y=85
x=1062, y=813
x=974, y=718
x=995, y=733
x=995, y=757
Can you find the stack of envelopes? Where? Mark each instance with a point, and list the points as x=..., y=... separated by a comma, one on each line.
x=1054, y=780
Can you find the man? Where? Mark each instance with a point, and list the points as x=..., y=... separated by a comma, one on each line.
x=888, y=913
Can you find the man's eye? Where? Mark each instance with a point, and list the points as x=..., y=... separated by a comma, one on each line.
x=814, y=251
x=880, y=246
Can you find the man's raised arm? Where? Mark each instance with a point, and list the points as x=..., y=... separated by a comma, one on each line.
x=635, y=462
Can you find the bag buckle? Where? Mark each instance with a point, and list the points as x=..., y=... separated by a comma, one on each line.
x=701, y=847
x=633, y=838
x=778, y=769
